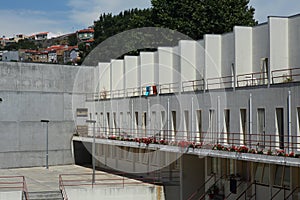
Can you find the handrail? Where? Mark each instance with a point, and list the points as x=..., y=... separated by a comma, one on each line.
x=118, y=180
x=62, y=188
x=25, y=189
x=276, y=193
x=286, y=77
x=203, y=185
x=203, y=196
x=293, y=191
x=257, y=142
x=244, y=192
x=19, y=184
x=236, y=188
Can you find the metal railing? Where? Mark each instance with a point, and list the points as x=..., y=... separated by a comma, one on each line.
x=285, y=75
x=194, y=85
x=296, y=189
x=252, y=79
x=14, y=183
x=220, y=82
x=169, y=88
x=102, y=179
x=201, y=187
x=62, y=188
x=256, y=143
x=242, y=80
x=245, y=194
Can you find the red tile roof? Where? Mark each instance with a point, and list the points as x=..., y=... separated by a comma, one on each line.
x=42, y=33
x=86, y=31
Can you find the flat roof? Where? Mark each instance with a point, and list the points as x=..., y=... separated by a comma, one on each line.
x=41, y=179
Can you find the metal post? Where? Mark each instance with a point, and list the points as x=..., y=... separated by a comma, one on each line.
x=93, y=150
x=47, y=143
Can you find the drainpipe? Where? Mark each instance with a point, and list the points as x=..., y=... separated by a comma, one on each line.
x=250, y=119
x=219, y=119
x=192, y=121
x=289, y=119
x=132, y=118
x=168, y=120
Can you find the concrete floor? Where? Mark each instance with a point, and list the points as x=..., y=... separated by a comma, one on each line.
x=42, y=179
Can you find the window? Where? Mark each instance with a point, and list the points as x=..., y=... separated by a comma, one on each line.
x=212, y=125
x=226, y=131
x=114, y=123
x=163, y=125
x=144, y=122
x=174, y=124
x=108, y=122
x=282, y=176
x=279, y=127
x=243, y=125
x=261, y=126
x=186, y=124
x=136, y=124
x=298, y=129
x=199, y=126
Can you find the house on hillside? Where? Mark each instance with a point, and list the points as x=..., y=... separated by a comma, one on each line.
x=41, y=36
x=85, y=34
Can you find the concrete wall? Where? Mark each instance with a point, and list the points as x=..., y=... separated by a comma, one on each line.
x=243, y=49
x=165, y=61
x=213, y=55
x=234, y=101
x=104, y=76
x=189, y=60
x=115, y=193
x=193, y=175
x=31, y=92
x=117, y=75
x=131, y=71
x=149, y=68
x=260, y=45
x=11, y=195
x=279, y=43
x=294, y=39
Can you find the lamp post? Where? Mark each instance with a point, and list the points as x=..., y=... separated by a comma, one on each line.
x=93, y=148
x=47, y=142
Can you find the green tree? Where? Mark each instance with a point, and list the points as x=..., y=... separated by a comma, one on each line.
x=198, y=17
x=22, y=44
x=72, y=39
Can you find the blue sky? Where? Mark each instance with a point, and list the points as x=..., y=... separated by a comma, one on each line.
x=65, y=16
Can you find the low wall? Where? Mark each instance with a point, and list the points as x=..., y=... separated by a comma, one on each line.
x=128, y=192
x=11, y=195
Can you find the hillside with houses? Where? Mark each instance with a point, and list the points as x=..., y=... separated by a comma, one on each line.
x=39, y=48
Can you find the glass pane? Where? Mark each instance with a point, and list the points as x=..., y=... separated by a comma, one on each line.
x=286, y=178
x=278, y=175
x=258, y=173
x=266, y=174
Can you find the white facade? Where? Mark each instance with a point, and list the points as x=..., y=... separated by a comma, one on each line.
x=149, y=69
x=247, y=56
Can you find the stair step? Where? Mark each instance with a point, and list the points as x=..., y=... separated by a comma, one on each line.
x=49, y=195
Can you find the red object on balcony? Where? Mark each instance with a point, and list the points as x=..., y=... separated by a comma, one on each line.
x=154, y=89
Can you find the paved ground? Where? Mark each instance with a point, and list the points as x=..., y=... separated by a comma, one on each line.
x=41, y=179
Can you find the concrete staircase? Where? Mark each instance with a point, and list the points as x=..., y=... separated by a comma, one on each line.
x=45, y=195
